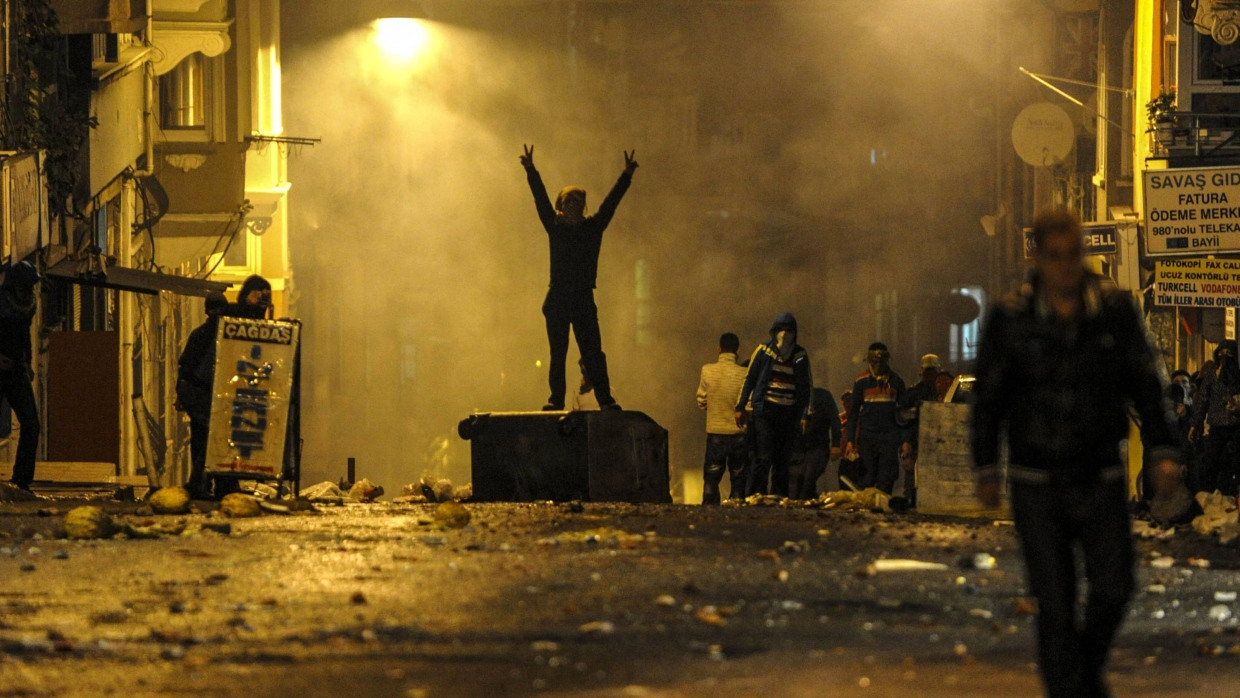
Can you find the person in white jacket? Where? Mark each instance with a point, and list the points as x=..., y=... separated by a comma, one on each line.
x=726, y=446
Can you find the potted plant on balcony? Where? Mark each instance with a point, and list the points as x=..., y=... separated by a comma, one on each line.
x=1160, y=115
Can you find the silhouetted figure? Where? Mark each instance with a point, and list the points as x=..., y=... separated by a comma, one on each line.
x=575, y=239
x=1057, y=368
x=195, y=386
x=17, y=306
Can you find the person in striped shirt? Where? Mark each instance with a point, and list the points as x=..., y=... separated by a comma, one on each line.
x=778, y=385
x=726, y=445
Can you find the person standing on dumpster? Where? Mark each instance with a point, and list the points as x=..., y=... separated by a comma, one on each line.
x=778, y=384
x=575, y=240
x=17, y=307
x=1058, y=366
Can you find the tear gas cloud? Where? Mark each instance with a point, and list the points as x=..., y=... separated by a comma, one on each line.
x=831, y=159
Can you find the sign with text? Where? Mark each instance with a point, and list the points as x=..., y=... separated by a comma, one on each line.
x=1100, y=238
x=250, y=402
x=1192, y=210
x=1197, y=283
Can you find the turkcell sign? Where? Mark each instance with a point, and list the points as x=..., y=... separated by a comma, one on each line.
x=1192, y=210
x=1099, y=238
x=1197, y=283
x=254, y=363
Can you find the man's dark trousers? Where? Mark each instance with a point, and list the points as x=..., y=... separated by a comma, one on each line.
x=725, y=452
x=776, y=429
x=15, y=385
x=1050, y=519
x=563, y=309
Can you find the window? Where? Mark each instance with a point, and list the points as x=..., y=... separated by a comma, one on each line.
x=191, y=99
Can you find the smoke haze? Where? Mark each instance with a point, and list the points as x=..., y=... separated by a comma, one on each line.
x=828, y=159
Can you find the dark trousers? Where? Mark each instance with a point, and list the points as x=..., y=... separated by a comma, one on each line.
x=776, y=431
x=728, y=452
x=880, y=460
x=1051, y=520
x=15, y=386
x=813, y=466
x=199, y=429
x=576, y=310
x=1222, y=460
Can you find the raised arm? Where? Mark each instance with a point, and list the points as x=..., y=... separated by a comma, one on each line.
x=607, y=209
x=546, y=212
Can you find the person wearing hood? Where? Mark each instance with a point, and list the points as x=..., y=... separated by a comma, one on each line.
x=253, y=300
x=575, y=240
x=17, y=307
x=195, y=383
x=874, y=438
x=778, y=384
x=1216, y=417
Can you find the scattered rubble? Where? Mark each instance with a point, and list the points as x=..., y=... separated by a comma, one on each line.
x=365, y=491
x=1218, y=518
x=237, y=506
x=432, y=489
x=13, y=493
x=325, y=492
x=170, y=500
x=87, y=522
x=452, y=515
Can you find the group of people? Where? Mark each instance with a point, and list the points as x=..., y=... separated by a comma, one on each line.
x=773, y=432
x=1060, y=366
x=1207, y=420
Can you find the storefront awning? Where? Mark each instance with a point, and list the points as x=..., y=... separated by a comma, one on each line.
x=136, y=280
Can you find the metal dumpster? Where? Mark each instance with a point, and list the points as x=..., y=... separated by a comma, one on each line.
x=613, y=456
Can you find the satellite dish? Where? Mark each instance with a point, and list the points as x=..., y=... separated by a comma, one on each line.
x=1043, y=134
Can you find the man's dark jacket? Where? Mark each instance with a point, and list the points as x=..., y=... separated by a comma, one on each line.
x=575, y=246
x=1063, y=387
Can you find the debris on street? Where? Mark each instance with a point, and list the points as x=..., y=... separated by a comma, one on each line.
x=239, y=506
x=170, y=500
x=87, y=522
x=365, y=491
x=452, y=515
x=889, y=565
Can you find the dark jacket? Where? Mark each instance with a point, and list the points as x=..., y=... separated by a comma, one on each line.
x=196, y=369
x=1060, y=389
x=575, y=246
x=875, y=402
x=761, y=367
x=16, y=313
x=823, y=427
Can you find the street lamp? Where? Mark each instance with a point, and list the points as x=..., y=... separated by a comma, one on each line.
x=400, y=39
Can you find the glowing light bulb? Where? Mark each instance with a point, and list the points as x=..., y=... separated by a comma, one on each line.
x=401, y=39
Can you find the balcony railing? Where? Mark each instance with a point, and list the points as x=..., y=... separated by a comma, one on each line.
x=1197, y=134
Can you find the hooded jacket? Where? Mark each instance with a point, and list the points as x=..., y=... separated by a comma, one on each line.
x=762, y=370
x=1060, y=389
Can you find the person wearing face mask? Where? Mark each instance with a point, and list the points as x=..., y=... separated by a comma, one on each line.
x=17, y=306
x=575, y=240
x=778, y=385
x=253, y=300
x=874, y=437
x=1216, y=418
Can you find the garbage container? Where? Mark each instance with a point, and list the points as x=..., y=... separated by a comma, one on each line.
x=612, y=456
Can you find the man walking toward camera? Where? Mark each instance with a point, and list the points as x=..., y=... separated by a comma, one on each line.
x=1057, y=368
x=575, y=239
